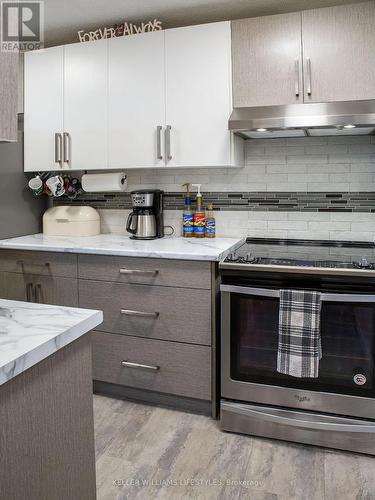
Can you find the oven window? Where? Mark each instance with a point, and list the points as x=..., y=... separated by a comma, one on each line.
x=347, y=331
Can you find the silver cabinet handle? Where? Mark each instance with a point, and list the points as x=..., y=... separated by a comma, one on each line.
x=129, y=364
x=278, y=417
x=58, y=148
x=159, y=155
x=38, y=293
x=139, y=314
x=308, y=76
x=139, y=271
x=67, y=147
x=29, y=288
x=168, y=153
x=296, y=70
x=40, y=264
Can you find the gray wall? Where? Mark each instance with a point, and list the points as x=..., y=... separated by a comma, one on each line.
x=20, y=211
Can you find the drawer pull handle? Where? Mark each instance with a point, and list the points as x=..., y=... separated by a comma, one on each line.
x=129, y=364
x=140, y=314
x=40, y=264
x=139, y=271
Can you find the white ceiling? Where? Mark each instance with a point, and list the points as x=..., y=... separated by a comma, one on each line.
x=63, y=18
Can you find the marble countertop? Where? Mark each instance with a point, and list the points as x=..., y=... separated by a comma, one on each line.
x=112, y=244
x=30, y=333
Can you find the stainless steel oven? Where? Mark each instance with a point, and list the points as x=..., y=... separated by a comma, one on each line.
x=337, y=409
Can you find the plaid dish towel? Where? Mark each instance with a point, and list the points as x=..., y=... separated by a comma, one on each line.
x=299, y=349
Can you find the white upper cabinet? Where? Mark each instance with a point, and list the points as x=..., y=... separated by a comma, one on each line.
x=198, y=95
x=267, y=60
x=136, y=101
x=339, y=53
x=85, y=105
x=151, y=100
x=43, y=118
x=66, y=105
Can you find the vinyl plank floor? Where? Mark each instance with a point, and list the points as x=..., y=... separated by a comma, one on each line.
x=145, y=452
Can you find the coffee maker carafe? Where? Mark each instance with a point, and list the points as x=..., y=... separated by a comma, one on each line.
x=145, y=222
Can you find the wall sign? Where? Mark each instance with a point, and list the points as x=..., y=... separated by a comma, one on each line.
x=123, y=29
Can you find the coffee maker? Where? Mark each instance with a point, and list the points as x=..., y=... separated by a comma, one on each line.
x=145, y=222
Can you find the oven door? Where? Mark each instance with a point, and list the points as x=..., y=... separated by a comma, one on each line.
x=345, y=386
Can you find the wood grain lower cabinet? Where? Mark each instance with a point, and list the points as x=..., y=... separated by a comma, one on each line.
x=178, y=314
x=168, y=367
x=40, y=289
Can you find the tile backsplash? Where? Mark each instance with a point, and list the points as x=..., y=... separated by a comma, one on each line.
x=313, y=187
x=306, y=225
x=304, y=164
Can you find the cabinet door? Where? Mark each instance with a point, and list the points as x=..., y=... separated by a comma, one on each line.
x=56, y=291
x=267, y=61
x=85, y=104
x=42, y=289
x=43, y=107
x=17, y=287
x=198, y=95
x=339, y=53
x=136, y=100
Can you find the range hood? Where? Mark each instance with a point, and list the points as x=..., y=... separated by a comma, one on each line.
x=301, y=120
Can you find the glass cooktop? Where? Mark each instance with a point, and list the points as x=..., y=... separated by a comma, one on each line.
x=305, y=253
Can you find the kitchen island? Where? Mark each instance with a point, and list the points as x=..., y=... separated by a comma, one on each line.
x=46, y=412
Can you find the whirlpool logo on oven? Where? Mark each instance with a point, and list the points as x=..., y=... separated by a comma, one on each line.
x=302, y=399
x=359, y=379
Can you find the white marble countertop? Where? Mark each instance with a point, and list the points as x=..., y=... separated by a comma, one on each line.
x=112, y=244
x=30, y=333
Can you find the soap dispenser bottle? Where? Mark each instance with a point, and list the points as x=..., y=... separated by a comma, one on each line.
x=187, y=216
x=199, y=215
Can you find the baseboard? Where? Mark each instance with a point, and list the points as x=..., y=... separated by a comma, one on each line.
x=154, y=398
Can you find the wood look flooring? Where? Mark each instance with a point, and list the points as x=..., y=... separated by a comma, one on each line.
x=144, y=452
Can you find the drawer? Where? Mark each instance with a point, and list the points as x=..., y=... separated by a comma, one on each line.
x=178, y=314
x=180, y=369
x=164, y=272
x=41, y=263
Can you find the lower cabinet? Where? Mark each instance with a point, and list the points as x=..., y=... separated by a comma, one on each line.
x=154, y=365
x=155, y=343
x=52, y=290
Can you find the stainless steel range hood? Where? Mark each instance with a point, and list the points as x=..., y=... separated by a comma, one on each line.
x=300, y=120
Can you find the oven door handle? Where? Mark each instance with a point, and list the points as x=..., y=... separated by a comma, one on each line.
x=271, y=415
x=325, y=297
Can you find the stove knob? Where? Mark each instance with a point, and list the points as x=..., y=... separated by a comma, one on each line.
x=363, y=263
x=231, y=257
x=248, y=257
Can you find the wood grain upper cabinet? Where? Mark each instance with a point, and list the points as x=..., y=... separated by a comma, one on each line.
x=85, y=105
x=8, y=96
x=43, y=114
x=136, y=100
x=339, y=53
x=198, y=95
x=267, y=60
